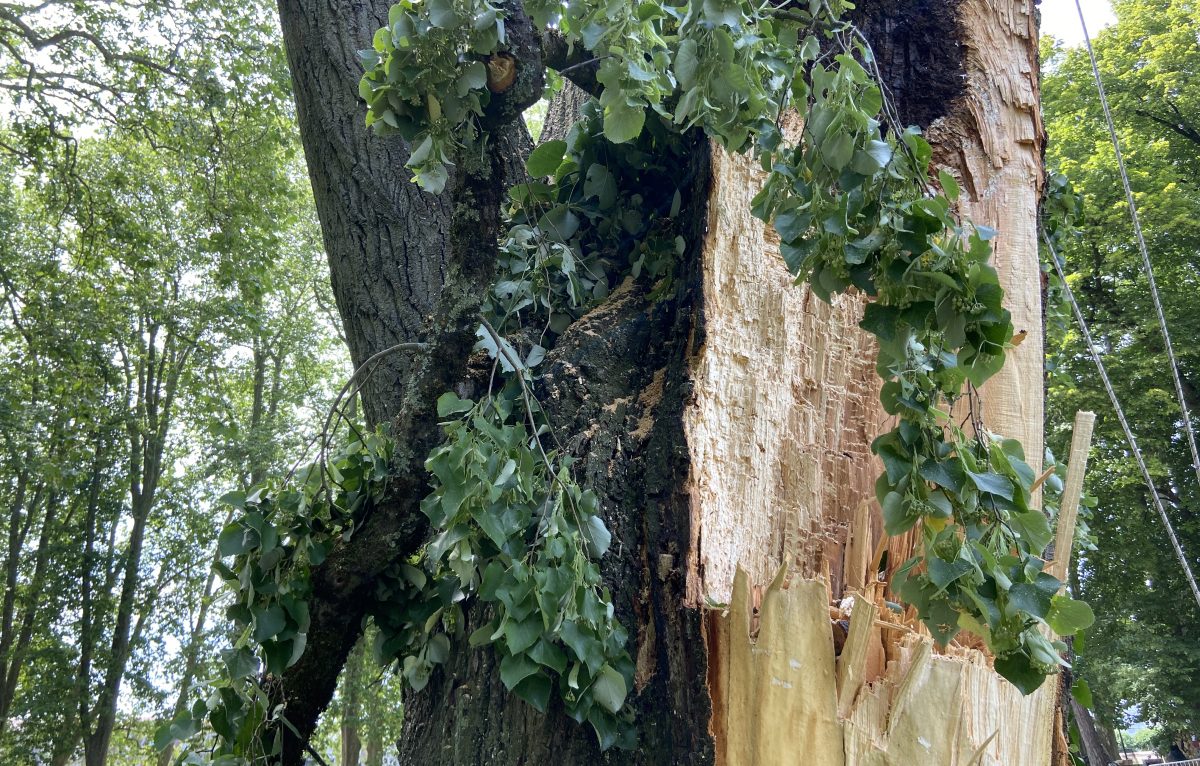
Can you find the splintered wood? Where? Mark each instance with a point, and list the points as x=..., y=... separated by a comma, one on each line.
x=786, y=402
x=785, y=408
x=784, y=698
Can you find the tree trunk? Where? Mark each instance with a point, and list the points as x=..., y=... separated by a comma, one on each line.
x=726, y=431
x=353, y=678
x=152, y=384
x=406, y=267
x=1099, y=747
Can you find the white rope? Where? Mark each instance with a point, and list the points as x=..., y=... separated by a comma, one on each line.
x=1141, y=240
x=1112, y=395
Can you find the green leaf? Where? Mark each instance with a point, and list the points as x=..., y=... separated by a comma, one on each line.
x=416, y=672
x=516, y=668
x=442, y=13
x=947, y=474
x=596, y=535
x=535, y=690
x=449, y=404
x=232, y=540
x=547, y=653
x=1034, y=528
x=1082, y=693
x=942, y=620
x=546, y=158
x=836, y=150
x=240, y=663
x=601, y=184
x=687, y=62
x=491, y=521
x=268, y=622
x=623, y=122
x=180, y=728
x=481, y=636
x=1067, y=615
x=609, y=689
x=520, y=635
x=277, y=654
x=422, y=153
x=584, y=645
x=560, y=224
x=438, y=648
x=993, y=483
x=1017, y=668
x=949, y=185
x=879, y=151
x=792, y=225
x=1034, y=598
x=298, y=644
x=896, y=519
x=235, y=499
x=473, y=77
x=942, y=572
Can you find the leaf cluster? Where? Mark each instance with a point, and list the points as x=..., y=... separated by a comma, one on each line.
x=427, y=78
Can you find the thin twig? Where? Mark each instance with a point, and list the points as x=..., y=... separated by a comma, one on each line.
x=324, y=435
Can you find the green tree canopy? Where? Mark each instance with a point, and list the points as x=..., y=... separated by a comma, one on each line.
x=1145, y=647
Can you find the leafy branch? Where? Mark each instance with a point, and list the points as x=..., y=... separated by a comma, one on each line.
x=854, y=208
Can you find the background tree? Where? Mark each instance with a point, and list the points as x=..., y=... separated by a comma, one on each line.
x=167, y=344
x=1143, y=649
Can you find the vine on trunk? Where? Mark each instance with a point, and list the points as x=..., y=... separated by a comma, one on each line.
x=855, y=205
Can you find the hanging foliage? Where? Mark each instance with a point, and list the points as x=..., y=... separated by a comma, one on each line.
x=855, y=204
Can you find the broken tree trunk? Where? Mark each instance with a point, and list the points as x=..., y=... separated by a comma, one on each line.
x=727, y=432
x=795, y=487
x=729, y=435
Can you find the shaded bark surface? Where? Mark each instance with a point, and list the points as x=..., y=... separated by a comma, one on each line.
x=406, y=266
x=916, y=45
x=1098, y=749
x=615, y=388
x=387, y=241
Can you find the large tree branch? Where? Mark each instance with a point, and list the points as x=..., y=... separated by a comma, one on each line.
x=38, y=41
x=1177, y=125
x=436, y=258
x=575, y=63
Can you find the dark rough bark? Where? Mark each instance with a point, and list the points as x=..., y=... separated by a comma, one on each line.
x=1096, y=747
x=406, y=266
x=917, y=47
x=563, y=111
x=387, y=241
x=615, y=388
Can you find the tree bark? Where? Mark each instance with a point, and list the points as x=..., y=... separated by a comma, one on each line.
x=728, y=426
x=406, y=266
x=1098, y=749
x=353, y=678
x=618, y=381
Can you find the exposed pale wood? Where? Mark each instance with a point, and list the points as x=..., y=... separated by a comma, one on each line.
x=858, y=549
x=1068, y=509
x=779, y=690
x=779, y=705
x=993, y=141
x=786, y=403
x=852, y=663
x=784, y=411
